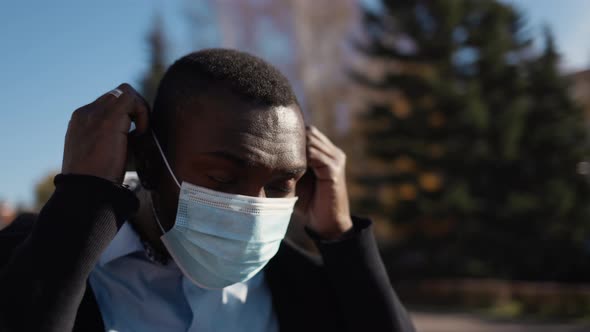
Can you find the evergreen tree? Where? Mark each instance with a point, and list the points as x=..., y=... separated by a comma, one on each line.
x=548, y=190
x=473, y=155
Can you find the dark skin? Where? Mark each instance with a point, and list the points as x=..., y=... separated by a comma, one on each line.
x=226, y=145
x=219, y=142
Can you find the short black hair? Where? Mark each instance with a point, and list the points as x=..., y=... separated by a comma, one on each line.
x=214, y=72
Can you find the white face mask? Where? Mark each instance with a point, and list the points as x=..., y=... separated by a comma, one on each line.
x=220, y=239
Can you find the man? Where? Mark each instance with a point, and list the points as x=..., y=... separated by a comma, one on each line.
x=199, y=247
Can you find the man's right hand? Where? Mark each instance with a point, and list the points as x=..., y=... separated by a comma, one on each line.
x=97, y=138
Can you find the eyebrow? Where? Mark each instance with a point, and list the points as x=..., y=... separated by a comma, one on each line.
x=236, y=159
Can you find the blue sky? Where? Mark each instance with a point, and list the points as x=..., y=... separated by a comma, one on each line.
x=59, y=55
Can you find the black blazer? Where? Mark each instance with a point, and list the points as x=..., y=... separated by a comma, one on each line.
x=45, y=261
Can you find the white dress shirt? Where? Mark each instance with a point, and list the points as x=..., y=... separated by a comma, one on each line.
x=136, y=294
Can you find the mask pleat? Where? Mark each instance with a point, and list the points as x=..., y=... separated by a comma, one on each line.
x=219, y=239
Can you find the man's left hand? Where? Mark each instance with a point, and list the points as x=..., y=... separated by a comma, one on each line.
x=323, y=198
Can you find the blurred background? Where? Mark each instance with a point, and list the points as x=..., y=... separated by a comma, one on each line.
x=466, y=124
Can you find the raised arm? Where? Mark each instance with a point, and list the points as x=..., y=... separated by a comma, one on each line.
x=351, y=259
x=44, y=280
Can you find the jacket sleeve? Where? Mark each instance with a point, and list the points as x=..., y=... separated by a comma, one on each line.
x=45, y=279
x=357, y=275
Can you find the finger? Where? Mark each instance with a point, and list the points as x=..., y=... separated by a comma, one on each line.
x=322, y=146
x=315, y=132
x=320, y=163
x=141, y=114
x=116, y=107
x=317, y=157
x=134, y=106
x=110, y=96
x=109, y=100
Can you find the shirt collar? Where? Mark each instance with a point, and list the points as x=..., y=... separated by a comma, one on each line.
x=125, y=243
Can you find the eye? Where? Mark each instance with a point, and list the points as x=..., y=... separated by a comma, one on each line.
x=283, y=188
x=223, y=179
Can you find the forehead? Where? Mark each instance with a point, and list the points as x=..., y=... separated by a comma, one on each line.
x=273, y=137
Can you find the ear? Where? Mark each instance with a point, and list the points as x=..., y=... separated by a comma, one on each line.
x=145, y=154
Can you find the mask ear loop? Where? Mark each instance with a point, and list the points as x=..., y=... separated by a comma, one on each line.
x=171, y=173
x=164, y=158
x=157, y=219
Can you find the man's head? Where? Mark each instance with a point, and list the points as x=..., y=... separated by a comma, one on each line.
x=227, y=121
